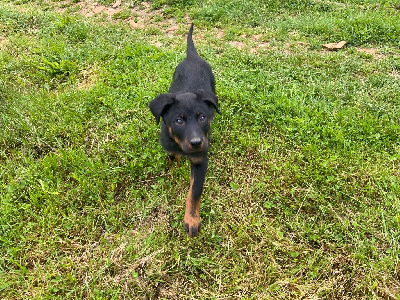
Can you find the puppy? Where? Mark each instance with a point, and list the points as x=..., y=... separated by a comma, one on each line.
x=187, y=111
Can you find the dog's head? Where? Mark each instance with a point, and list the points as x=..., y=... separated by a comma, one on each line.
x=188, y=118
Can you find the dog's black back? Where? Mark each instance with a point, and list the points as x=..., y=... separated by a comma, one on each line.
x=193, y=73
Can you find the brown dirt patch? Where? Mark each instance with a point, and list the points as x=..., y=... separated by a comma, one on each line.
x=238, y=45
x=256, y=37
x=3, y=40
x=140, y=15
x=260, y=46
x=395, y=74
x=87, y=78
x=372, y=51
x=220, y=33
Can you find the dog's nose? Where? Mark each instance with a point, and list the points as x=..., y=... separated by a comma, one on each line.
x=196, y=142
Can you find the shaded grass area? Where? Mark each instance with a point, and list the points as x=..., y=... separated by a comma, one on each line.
x=301, y=197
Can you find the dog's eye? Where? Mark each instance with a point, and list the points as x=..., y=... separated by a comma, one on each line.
x=179, y=121
x=202, y=118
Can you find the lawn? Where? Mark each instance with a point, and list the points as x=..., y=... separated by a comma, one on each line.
x=302, y=194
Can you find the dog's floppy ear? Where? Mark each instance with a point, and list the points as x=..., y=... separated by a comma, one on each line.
x=208, y=97
x=160, y=104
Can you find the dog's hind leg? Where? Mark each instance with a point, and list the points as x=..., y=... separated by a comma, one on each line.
x=171, y=158
x=192, y=209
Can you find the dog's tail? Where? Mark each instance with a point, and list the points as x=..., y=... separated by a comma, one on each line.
x=190, y=50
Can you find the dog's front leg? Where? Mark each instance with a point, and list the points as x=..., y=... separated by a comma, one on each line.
x=192, y=209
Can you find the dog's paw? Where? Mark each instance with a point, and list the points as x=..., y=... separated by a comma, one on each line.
x=192, y=225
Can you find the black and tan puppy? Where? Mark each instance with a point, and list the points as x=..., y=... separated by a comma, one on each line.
x=187, y=111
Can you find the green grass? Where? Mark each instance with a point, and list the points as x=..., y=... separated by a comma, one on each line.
x=301, y=198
